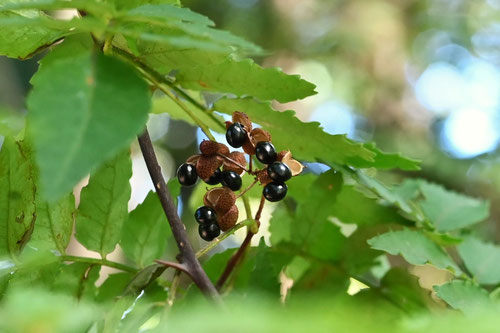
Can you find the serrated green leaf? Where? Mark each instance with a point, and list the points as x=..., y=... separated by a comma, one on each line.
x=128, y=4
x=307, y=141
x=415, y=247
x=81, y=122
x=263, y=83
x=54, y=223
x=464, y=296
x=167, y=105
x=385, y=160
x=481, y=259
x=145, y=232
x=17, y=197
x=103, y=206
x=23, y=42
x=169, y=13
x=449, y=210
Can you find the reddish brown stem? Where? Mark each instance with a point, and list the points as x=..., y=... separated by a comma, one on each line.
x=247, y=189
x=239, y=255
x=173, y=264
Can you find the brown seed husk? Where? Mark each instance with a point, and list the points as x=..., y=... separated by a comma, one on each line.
x=281, y=155
x=295, y=166
x=263, y=177
x=211, y=197
x=243, y=119
x=238, y=157
x=229, y=219
x=193, y=159
x=226, y=200
x=222, y=149
x=258, y=135
x=249, y=148
x=209, y=148
x=206, y=166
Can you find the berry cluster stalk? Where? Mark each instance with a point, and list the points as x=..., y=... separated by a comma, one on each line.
x=188, y=261
x=238, y=256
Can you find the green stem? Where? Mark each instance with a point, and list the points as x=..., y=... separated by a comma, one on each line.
x=225, y=235
x=102, y=262
x=248, y=209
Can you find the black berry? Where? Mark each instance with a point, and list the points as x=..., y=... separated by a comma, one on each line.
x=265, y=152
x=275, y=191
x=187, y=174
x=208, y=231
x=205, y=215
x=236, y=135
x=231, y=179
x=215, y=178
x=279, y=172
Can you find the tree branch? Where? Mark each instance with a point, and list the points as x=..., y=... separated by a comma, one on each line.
x=187, y=255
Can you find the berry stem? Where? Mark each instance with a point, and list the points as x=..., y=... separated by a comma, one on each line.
x=238, y=256
x=225, y=235
x=229, y=159
x=186, y=253
x=247, y=189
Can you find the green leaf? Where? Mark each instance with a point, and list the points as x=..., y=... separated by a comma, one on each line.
x=415, y=247
x=449, y=210
x=464, y=296
x=83, y=120
x=384, y=160
x=17, y=197
x=37, y=310
x=309, y=230
x=23, y=42
x=481, y=259
x=78, y=280
x=265, y=276
x=127, y=4
x=103, y=206
x=169, y=13
x=167, y=105
x=113, y=286
x=263, y=83
x=307, y=141
x=11, y=122
x=54, y=223
x=145, y=232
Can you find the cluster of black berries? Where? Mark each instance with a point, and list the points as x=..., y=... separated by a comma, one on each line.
x=220, y=212
x=207, y=218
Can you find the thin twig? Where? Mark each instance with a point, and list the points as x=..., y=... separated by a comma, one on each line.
x=102, y=262
x=238, y=256
x=173, y=264
x=246, y=203
x=172, y=291
x=242, y=193
x=229, y=159
x=187, y=255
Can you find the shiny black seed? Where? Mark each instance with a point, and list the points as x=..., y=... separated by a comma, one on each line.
x=231, y=179
x=187, y=174
x=215, y=178
x=265, y=152
x=236, y=135
x=205, y=215
x=275, y=191
x=279, y=172
x=208, y=231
